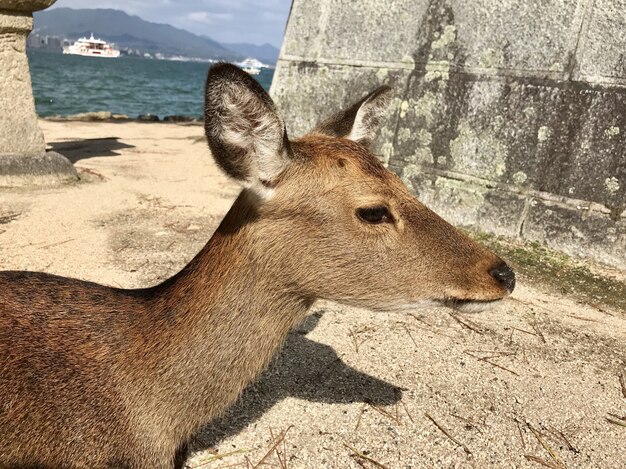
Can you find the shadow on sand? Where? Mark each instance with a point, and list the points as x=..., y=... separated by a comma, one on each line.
x=306, y=370
x=76, y=150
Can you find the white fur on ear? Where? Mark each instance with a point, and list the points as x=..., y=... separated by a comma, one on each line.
x=361, y=121
x=258, y=132
x=245, y=133
x=369, y=116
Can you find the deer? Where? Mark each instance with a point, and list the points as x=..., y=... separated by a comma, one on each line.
x=93, y=376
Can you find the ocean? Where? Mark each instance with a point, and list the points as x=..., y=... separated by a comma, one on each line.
x=69, y=84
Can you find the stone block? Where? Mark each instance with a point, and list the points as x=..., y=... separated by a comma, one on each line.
x=582, y=233
x=600, y=52
x=464, y=203
x=333, y=29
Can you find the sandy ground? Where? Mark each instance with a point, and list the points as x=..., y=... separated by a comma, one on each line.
x=530, y=384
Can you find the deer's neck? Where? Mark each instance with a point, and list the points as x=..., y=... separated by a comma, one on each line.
x=221, y=320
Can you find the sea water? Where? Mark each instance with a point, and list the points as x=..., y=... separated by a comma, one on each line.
x=70, y=84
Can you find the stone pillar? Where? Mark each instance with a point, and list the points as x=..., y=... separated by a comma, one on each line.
x=23, y=158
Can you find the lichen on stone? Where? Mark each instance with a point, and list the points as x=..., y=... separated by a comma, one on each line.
x=381, y=74
x=543, y=133
x=404, y=107
x=408, y=60
x=423, y=155
x=519, y=177
x=491, y=58
x=404, y=134
x=424, y=137
x=529, y=112
x=478, y=152
x=447, y=37
x=433, y=75
x=425, y=107
x=611, y=184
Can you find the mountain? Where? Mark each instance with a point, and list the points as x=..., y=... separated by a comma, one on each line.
x=265, y=53
x=128, y=32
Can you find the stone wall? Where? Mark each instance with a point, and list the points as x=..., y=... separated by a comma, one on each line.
x=509, y=116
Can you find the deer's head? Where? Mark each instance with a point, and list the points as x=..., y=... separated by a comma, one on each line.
x=341, y=226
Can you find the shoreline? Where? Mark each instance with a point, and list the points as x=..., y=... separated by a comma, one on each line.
x=107, y=116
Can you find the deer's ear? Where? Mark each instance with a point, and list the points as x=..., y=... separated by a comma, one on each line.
x=361, y=121
x=245, y=133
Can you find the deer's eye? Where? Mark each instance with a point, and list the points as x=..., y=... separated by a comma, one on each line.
x=375, y=215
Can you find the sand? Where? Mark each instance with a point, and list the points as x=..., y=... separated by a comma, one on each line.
x=532, y=383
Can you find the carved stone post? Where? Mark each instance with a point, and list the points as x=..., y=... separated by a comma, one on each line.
x=23, y=159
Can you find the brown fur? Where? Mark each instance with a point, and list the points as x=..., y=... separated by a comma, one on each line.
x=98, y=377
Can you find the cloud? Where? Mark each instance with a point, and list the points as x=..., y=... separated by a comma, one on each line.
x=199, y=16
x=253, y=21
x=208, y=17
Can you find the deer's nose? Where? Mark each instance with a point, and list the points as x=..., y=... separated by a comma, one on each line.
x=504, y=275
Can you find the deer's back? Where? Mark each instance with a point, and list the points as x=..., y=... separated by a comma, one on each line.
x=61, y=344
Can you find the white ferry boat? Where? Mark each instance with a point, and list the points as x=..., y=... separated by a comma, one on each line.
x=92, y=48
x=252, y=66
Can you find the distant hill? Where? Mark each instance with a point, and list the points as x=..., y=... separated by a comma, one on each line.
x=266, y=53
x=129, y=32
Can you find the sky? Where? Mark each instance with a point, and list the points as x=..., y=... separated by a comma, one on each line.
x=226, y=21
